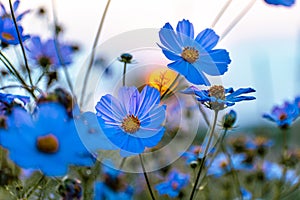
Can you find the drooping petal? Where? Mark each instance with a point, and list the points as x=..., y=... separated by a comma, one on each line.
x=169, y=39
x=180, y=66
x=196, y=76
x=185, y=29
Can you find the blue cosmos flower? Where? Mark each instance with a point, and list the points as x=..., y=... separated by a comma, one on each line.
x=112, y=186
x=7, y=101
x=8, y=33
x=5, y=14
x=193, y=57
x=45, y=53
x=134, y=121
x=246, y=195
x=287, y=3
x=283, y=115
x=175, y=182
x=47, y=141
x=220, y=165
x=273, y=171
x=218, y=98
x=192, y=155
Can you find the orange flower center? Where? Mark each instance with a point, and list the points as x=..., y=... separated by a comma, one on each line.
x=131, y=124
x=7, y=36
x=282, y=117
x=47, y=144
x=190, y=54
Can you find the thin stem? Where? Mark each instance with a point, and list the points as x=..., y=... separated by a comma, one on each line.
x=146, y=177
x=124, y=73
x=237, y=19
x=87, y=74
x=20, y=41
x=205, y=154
x=27, y=88
x=170, y=87
x=35, y=186
x=57, y=49
x=233, y=172
x=203, y=113
x=122, y=163
x=220, y=14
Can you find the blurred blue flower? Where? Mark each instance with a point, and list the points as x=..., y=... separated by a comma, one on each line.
x=215, y=97
x=229, y=119
x=246, y=195
x=175, y=182
x=134, y=121
x=8, y=33
x=287, y=3
x=5, y=14
x=273, y=171
x=192, y=154
x=45, y=53
x=221, y=165
x=283, y=115
x=7, y=101
x=193, y=57
x=43, y=141
x=112, y=186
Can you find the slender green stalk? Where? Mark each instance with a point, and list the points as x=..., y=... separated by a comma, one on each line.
x=237, y=19
x=146, y=177
x=57, y=49
x=169, y=88
x=122, y=163
x=35, y=186
x=20, y=41
x=222, y=11
x=205, y=154
x=89, y=68
x=233, y=172
x=124, y=73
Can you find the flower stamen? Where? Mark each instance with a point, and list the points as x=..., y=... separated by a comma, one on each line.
x=131, y=124
x=47, y=144
x=190, y=54
x=7, y=36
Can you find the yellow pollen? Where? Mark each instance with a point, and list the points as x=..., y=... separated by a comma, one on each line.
x=223, y=164
x=218, y=92
x=7, y=36
x=282, y=117
x=190, y=54
x=131, y=124
x=47, y=144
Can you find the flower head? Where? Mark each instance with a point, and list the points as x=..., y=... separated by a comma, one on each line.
x=45, y=53
x=175, y=182
x=134, y=121
x=8, y=33
x=218, y=98
x=5, y=14
x=229, y=119
x=283, y=115
x=193, y=57
x=43, y=141
x=287, y=3
x=192, y=155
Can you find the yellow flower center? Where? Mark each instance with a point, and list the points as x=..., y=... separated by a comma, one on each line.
x=190, y=54
x=7, y=36
x=282, y=117
x=218, y=92
x=47, y=144
x=223, y=164
x=131, y=124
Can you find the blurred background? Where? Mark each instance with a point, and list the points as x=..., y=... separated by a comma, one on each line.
x=264, y=46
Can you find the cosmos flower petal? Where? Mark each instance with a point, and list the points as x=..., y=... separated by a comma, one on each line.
x=287, y=3
x=241, y=91
x=127, y=95
x=207, y=39
x=179, y=66
x=215, y=63
x=154, y=118
x=196, y=77
x=169, y=39
x=115, y=114
x=169, y=54
x=149, y=98
x=185, y=29
x=153, y=140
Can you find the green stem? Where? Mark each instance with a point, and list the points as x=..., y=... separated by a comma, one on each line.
x=169, y=88
x=205, y=154
x=222, y=11
x=20, y=41
x=124, y=73
x=34, y=187
x=146, y=177
x=237, y=19
x=57, y=49
x=87, y=74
